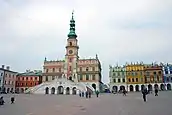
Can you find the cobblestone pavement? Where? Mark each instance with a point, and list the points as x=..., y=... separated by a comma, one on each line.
x=106, y=104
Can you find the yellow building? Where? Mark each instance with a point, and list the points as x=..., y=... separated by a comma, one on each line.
x=135, y=76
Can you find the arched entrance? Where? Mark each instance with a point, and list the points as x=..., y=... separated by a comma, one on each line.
x=52, y=90
x=150, y=87
x=137, y=88
x=94, y=86
x=60, y=90
x=22, y=90
x=162, y=86
x=168, y=86
x=46, y=90
x=131, y=87
x=122, y=87
x=142, y=87
x=8, y=90
x=67, y=91
x=156, y=86
x=17, y=90
x=74, y=90
x=11, y=90
x=70, y=78
x=114, y=89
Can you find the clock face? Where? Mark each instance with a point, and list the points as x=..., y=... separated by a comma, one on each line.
x=70, y=51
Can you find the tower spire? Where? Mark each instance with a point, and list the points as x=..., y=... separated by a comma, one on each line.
x=72, y=33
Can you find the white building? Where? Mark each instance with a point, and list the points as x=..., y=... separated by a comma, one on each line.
x=61, y=76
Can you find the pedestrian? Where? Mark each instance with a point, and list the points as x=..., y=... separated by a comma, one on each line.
x=124, y=92
x=89, y=94
x=156, y=92
x=12, y=100
x=2, y=101
x=82, y=94
x=86, y=94
x=97, y=93
x=144, y=93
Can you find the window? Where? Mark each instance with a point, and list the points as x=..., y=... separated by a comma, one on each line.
x=167, y=79
x=119, y=80
x=159, y=72
x=23, y=78
x=26, y=78
x=31, y=83
x=70, y=59
x=53, y=69
x=93, y=77
x=154, y=73
x=26, y=84
x=171, y=78
x=87, y=69
x=118, y=73
x=129, y=80
x=35, y=83
x=170, y=71
x=81, y=78
x=132, y=79
x=9, y=75
x=59, y=69
x=114, y=80
x=93, y=68
x=123, y=80
x=35, y=78
x=137, y=80
x=46, y=78
x=70, y=68
x=46, y=70
x=166, y=71
x=87, y=77
x=12, y=83
x=0, y=81
x=1, y=74
x=80, y=69
x=53, y=77
x=114, y=74
x=30, y=78
x=70, y=43
x=8, y=82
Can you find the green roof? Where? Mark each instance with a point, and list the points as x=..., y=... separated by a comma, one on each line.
x=30, y=74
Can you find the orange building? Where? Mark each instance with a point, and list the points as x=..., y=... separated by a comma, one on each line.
x=27, y=79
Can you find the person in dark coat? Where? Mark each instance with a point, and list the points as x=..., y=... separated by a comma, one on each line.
x=156, y=92
x=2, y=101
x=12, y=100
x=144, y=93
x=89, y=94
x=86, y=94
x=82, y=94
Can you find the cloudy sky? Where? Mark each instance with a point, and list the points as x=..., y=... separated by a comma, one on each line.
x=119, y=31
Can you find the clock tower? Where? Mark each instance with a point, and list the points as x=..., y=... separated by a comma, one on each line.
x=71, y=57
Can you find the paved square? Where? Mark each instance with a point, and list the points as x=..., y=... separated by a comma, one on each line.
x=107, y=104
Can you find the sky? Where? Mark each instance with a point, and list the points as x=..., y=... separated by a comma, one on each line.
x=119, y=31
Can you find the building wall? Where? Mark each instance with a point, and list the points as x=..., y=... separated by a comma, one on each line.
x=117, y=77
x=135, y=73
x=153, y=74
x=167, y=73
x=9, y=81
x=1, y=78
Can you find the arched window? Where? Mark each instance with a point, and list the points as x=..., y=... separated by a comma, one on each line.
x=87, y=69
x=70, y=43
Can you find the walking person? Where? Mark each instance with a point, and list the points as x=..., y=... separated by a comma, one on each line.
x=2, y=101
x=97, y=93
x=89, y=94
x=156, y=92
x=86, y=94
x=144, y=93
x=12, y=100
x=124, y=92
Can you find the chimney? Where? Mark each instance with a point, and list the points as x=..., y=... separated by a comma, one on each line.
x=3, y=66
x=8, y=67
